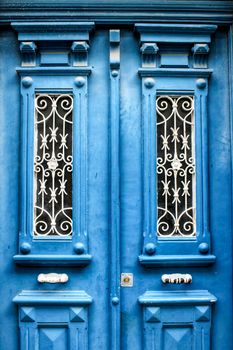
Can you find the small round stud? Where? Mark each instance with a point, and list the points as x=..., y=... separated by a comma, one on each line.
x=115, y=301
x=201, y=83
x=79, y=81
x=149, y=82
x=79, y=248
x=114, y=73
x=150, y=248
x=203, y=248
x=27, y=82
x=25, y=248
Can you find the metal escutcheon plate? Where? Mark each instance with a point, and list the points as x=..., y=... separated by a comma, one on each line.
x=126, y=279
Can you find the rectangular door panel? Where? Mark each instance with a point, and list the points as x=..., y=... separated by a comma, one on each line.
x=22, y=273
x=49, y=320
x=138, y=188
x=177, y=320
x=53, y=221
x=175, y=143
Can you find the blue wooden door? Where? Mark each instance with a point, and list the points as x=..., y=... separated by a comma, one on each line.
x=115, y=187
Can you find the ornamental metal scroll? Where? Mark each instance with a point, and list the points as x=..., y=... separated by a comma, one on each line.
x=53, y=165
x=175, y=166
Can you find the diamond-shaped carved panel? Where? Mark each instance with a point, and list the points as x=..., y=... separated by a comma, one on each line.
x=27, y=314
x=77, y=314
x=53, y=338
x=177, y=338
x=152, y=314
x=202, y=313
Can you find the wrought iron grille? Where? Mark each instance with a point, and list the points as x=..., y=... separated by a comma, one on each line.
x=53, y=164
x=175, y=166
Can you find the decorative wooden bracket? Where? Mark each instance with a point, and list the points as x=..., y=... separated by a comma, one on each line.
x=200, y=55
x=49, y=33
x=149, y=54
x=28, y=51
x=80, y=53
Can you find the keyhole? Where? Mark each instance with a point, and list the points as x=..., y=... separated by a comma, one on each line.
x=126, y=279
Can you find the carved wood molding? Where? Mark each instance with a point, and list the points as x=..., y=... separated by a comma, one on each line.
x=119, y=12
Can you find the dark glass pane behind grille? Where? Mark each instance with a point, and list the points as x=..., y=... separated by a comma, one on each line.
x=175, y=166
x=53, y=165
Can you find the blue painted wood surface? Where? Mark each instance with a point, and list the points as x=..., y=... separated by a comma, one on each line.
x=118, y=11
x=53, y=320
x=114, y=152
x=177, y=320
x=31, y=249
x=149, y=314
x=179, y=83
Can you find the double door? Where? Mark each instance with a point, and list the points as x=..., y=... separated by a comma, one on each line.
x=116, y=188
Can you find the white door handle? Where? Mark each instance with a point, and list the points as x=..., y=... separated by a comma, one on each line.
x=52, y=278
x=177, y=278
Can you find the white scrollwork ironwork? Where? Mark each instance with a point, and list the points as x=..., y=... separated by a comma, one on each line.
x=53, y=165
x=175, y=166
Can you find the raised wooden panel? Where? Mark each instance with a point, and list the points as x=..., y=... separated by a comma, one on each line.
x=54, y=62
x=52, y=338
x=175, y=63
x=53, y=320
x=177, y=320
x=177, y=338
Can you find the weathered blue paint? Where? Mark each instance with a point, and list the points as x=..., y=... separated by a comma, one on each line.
x=113, y=126
x=27, y=297
x=53, y=319
x=177, y=320
x=131, y=195
x=97, y=286
x=46, y=80
x=117, y=11
x=180, y=82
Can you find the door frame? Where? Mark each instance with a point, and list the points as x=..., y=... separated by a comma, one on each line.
x=116, y=14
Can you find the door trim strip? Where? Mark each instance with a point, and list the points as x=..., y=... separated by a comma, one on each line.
x=114, y=104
